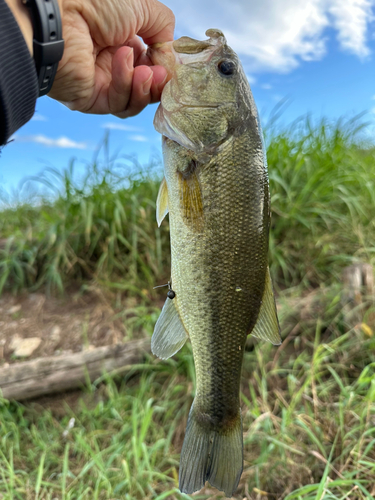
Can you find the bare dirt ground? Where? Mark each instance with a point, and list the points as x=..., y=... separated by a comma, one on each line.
x=63, y=325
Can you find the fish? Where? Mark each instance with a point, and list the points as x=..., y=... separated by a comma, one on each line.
x=216, y=191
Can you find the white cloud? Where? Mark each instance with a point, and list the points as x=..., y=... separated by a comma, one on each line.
x=373, y=97
x=138, y=138
x=61, y=142
x=277, y=35
x=350, y=18
x=39, y=118
x=266, y=86
x=121, y=126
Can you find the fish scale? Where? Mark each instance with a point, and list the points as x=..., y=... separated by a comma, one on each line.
x=217, y=317
x=216, y=192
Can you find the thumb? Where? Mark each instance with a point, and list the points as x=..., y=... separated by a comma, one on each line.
x=158, y=23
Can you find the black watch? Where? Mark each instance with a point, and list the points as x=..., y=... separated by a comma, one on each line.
x=48, y=44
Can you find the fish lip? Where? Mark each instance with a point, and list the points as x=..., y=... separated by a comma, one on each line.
x=190, y=59
x=192, y=46
x=169, y=57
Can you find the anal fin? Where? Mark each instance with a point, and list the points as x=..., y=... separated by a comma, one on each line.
x=169, y=333
x=267, y=326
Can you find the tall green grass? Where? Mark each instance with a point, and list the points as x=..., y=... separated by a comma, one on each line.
x=322, y=181
x=102, y=227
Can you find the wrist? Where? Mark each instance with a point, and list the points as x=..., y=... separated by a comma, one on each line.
x=48, y=42
x=23, y=18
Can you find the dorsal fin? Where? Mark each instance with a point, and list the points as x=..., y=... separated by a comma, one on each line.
x=267, y=326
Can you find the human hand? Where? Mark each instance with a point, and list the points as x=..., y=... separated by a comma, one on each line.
x=105, y=68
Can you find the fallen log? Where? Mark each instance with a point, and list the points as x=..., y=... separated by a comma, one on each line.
x=41, y=376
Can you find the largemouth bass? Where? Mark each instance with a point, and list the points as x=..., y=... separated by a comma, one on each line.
x=216, y=192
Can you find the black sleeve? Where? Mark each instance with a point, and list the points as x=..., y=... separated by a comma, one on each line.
x=18, y=78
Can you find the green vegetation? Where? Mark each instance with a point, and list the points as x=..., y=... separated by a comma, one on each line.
x=102, y=227
x=322, y=182
x=308, y=418
x=308, y=406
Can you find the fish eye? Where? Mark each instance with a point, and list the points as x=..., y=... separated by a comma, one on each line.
x=226, y=67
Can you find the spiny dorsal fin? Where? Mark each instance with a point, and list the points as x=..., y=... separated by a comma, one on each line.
x=267, y=326
x=162, y=202
x=191, y=198
x=169, y=333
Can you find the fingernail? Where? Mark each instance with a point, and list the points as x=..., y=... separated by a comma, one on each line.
x=130, y=60
x=147, y=85
x=161, y=84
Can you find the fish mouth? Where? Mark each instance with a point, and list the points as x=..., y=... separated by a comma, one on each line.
x=187, y=45
x=189, y=51
x=186, y=50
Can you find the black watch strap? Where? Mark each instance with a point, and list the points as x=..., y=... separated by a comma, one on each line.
x=48, y=45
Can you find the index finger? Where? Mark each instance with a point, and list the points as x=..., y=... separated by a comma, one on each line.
x=158, y=25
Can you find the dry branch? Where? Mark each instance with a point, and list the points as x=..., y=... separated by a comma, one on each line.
x=41, y=376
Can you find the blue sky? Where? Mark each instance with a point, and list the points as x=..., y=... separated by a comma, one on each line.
x=320, y=54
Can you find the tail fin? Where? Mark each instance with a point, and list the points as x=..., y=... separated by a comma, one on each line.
x=211, y=455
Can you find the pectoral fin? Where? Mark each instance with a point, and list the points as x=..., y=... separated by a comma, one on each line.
x=267, y=326
x=162, y=202
x=169, y=333
x=191, y=198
